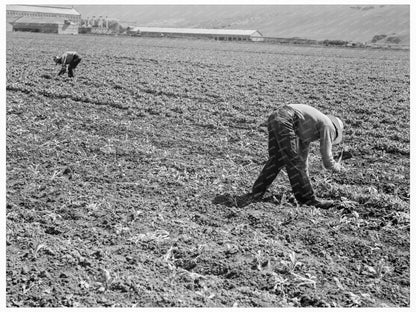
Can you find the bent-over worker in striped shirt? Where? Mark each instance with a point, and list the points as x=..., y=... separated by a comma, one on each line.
x=291, y=129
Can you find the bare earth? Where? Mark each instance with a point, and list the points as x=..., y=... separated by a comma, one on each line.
x=121, y=182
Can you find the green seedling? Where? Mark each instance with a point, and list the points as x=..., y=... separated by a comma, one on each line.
x=55, y=173
x=310, y=280
x=167, y=258
x=381, y=269
x=34, y=169
x=258, y=260
x=104, y=279
x=279, y=283
x=291, y=265
x=38, y=246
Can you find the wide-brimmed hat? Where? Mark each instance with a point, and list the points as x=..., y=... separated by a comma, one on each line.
x=339, y=128
x=56, y=59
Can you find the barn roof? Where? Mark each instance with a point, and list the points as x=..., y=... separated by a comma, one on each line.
x=38, y=20
x=219, y=32
x=42, y=9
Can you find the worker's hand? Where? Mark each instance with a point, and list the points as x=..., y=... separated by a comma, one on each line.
x=339, y=168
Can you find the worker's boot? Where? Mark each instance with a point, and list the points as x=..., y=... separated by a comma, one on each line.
x=247, y=199
x=324, y=204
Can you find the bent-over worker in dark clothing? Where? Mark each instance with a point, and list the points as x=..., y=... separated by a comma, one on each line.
x=70, y=59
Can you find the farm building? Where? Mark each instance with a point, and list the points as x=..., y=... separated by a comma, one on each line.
x=217, y=34
x=45, y=25
x=39, y=18
x=133, y=31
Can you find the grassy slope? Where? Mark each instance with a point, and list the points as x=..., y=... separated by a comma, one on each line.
x=318, y=22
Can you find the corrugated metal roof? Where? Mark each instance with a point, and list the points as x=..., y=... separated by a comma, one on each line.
x=42, y=9
x=39, y=20
x=218, y=32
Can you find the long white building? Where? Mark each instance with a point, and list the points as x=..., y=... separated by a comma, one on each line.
x=218, y=34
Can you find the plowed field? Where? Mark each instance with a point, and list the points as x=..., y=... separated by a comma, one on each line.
x=115, y=179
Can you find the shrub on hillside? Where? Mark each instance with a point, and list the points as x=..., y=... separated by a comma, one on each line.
x=378, y=38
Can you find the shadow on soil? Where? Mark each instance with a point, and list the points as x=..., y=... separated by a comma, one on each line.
x=241, y=201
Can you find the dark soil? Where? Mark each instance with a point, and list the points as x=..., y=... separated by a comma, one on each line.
x=121, y=181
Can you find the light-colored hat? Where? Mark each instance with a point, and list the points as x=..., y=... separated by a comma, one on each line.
x=339, y=128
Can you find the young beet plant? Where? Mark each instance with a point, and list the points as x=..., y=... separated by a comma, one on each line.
x=299, y=280
x=292, y=264
x=381, y=269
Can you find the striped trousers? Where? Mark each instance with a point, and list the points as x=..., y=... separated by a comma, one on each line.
x=283, y=150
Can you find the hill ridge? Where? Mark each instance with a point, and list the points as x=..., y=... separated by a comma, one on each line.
x=318, y=22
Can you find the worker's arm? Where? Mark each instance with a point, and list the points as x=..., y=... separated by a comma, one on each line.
x=62, y=71
x=326, y=151
x=304, y=153
x=63, y=62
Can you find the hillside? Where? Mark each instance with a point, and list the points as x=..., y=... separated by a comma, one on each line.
x=319, y=22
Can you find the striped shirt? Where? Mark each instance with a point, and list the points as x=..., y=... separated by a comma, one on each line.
x=312, y=126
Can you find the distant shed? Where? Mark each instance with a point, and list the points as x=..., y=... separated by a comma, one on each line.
x=15, y=12
x=217, y=34
x=133, y=31
x=45, y=25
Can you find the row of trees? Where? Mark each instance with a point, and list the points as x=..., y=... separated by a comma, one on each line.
x=104, y=23
x=101, y=22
